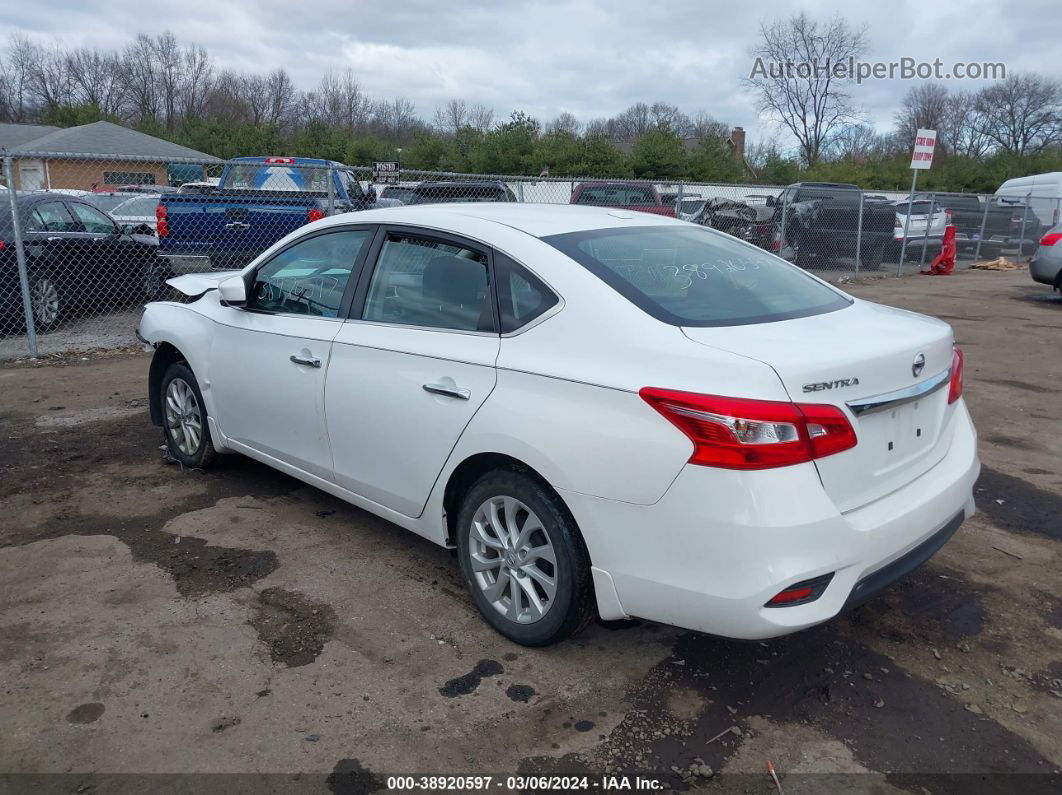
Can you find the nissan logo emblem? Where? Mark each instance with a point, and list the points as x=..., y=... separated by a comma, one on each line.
x=919, y=364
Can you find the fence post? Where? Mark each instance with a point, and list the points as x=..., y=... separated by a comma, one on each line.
x=1024, y=215
x=925, y=237
x=20, y=256
x=678, y=199
x=330, y=174
x=520, y=191
x=781, y=232
x=907, y=222
x=981, y=234
x=859, y=234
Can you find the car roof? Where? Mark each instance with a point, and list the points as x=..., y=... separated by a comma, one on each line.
x=537, y=220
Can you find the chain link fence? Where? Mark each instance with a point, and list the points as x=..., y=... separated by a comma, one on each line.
x=86, y=241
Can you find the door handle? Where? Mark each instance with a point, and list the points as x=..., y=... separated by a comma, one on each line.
x=448, y=391
x=305, y=361
x=238, y=226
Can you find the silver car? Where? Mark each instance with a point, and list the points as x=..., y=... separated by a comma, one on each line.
x=1046, y=264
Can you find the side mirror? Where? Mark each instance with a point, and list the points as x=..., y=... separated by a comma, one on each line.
x=233, y=291
x=771, y=201
x=127, y=230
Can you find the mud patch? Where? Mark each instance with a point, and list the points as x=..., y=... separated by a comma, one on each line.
x=1013, y=442
x=198, y=567
x=1024, y=507
x=86, y=713
x=1024, y=385
x=938, y=603
x=463, y=685
x=90, y=415
x=521, y=693
x=348, y=777
x=224, y=723
x=293, y=627
x=889, y=719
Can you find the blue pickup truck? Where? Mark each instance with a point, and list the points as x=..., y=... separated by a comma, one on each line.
x=257, y=201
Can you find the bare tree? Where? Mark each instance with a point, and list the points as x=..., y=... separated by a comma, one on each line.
x=794, y=78
x=481, y=117
x=703, y=126
x=196, y=77
x=632, y=123
x=1021, y=114
x=281, y=95
x=396, y=119
x=49, y=79
x=924, y=107
x=16, y=102
x=140, y=78
x=962, y=130
x=451, y=117
x=566, y=123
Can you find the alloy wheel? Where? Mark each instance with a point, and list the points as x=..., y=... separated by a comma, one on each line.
x=184, y=419
x=512, y=559
x=44, y=297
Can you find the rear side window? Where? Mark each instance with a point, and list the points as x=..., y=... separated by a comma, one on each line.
x=522, y=296
x=691, y=276
x=51, y=217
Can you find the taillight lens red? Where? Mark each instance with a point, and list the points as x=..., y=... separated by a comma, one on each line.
x=2, y=244
x=1050, y=238
x=162, y=224
x=955, y=386
x=735, y=433
x=314, y=215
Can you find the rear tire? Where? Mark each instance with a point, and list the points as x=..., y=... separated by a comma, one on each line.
x=46, y=300
x=184, y=418
x=523, y=559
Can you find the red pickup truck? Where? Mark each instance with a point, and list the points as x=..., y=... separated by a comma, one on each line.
x=638, y=196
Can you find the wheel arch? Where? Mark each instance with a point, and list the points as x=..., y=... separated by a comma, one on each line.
x=165, y=354
x=472, y=469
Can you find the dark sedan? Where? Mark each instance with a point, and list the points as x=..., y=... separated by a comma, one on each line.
x=77, y=258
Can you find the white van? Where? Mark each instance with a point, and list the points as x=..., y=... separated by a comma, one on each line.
x=1043, y=192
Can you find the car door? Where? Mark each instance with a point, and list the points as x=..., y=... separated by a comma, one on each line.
x=268, y=359
x=52, y=248
x=112, y=264
x=411, y=366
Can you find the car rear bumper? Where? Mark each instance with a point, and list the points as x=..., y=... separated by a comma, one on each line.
x=720, y=544
x=1044, y=269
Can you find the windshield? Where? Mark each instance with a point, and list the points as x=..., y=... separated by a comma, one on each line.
x=106, y=202
x=691, y=206
x=254, y=176
x=917, y=208
x=692, y=276
x=616, y=196
x=144, y=206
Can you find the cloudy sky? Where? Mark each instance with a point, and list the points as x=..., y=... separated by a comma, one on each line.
x=591, y=58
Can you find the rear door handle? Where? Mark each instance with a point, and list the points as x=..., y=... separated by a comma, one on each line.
x=305, y=361
x=448, y=391
x=238, y=226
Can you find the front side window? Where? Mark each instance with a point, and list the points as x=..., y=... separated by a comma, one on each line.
x=92, y=220
x=50, y=217
x=430, y=283
x=691, y=276
x=310, y=277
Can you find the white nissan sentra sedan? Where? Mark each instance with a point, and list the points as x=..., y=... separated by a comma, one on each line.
x=604, y=412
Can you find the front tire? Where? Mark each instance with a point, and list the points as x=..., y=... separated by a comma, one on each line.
x=184, y=418
x=523, y=559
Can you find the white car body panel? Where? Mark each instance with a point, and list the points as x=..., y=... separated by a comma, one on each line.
x=560, y=396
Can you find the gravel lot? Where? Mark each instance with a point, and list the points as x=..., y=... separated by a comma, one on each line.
x=154, y=620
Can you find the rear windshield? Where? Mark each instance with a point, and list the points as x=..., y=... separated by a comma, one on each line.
x=255, y=176
x=616, y=196
x=446, y=194
x=917, y=208
x=692, y=276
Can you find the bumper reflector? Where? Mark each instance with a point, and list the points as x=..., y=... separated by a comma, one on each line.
x=801, y=593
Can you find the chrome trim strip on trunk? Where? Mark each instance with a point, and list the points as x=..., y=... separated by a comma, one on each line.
x=900, y=396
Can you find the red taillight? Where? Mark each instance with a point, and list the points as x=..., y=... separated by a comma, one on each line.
x=2, y=245
x=162, y=224
x=284, y=160
x=735, y=433
x=1050, y=238
x=314, y=215
x=955, y=387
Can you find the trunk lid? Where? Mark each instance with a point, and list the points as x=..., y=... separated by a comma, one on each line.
x=841, y=358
